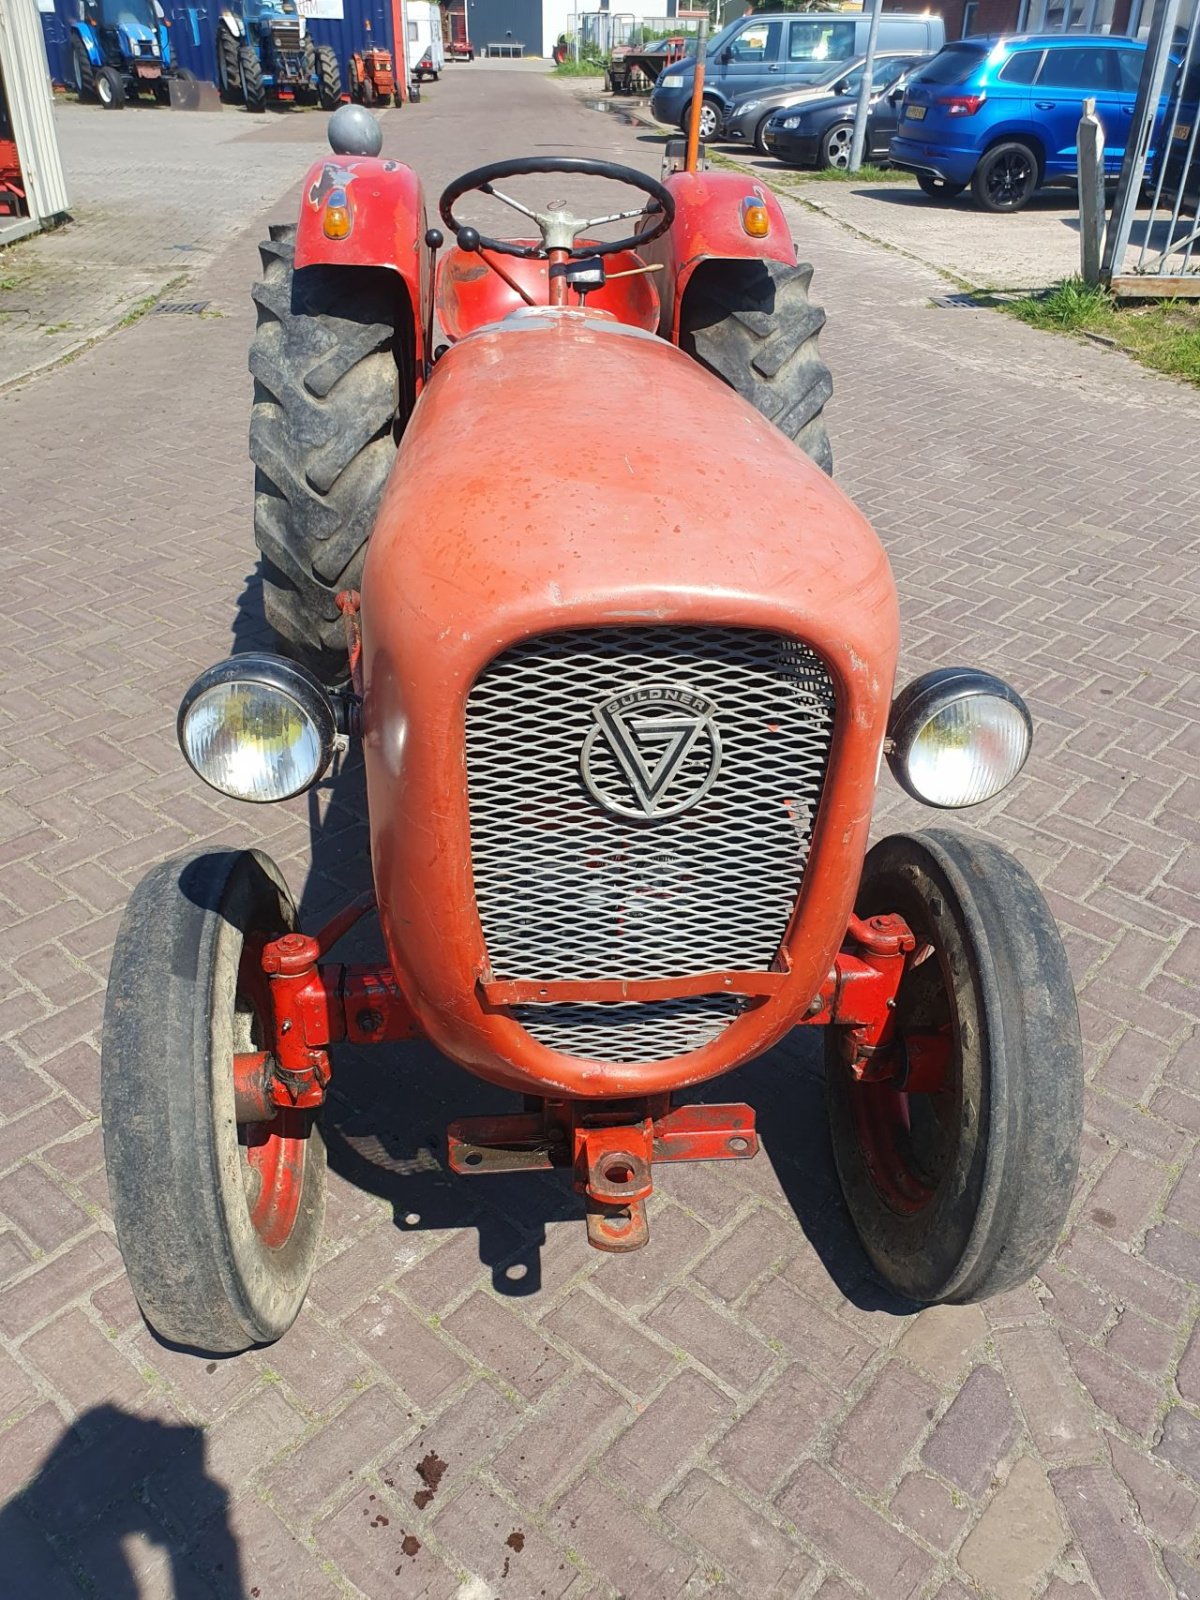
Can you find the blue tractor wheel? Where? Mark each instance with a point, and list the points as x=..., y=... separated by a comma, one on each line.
x=85, y=73
x=254, y=90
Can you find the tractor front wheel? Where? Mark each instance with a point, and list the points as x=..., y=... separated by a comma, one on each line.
x=753, y=325
x=329, y=78
x=218, y=1221
x=229, y=75
x=960, y=1188
x=250, y=76
x=110, y=89
x=85, y=73
x=332, y=390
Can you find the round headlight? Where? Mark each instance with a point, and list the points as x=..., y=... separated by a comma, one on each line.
x=958, y=737
x=257, y=727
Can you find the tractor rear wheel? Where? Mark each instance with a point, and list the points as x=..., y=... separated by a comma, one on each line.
x=753, y=325
x=85, y=73
x=332, y=390
x=219, y=1221
x=110, y=89
x=250, y=76
x=329, y=78
x=229, y=74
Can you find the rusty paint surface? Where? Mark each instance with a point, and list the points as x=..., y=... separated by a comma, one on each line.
x=520, y=544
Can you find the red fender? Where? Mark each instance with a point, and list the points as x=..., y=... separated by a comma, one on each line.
x=385, y=205
x=709, y=207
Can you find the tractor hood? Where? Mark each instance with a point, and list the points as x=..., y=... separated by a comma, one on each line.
x=562, y=470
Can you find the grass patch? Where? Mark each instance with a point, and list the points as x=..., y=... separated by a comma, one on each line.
x=865, y=174
x=579, y=69
x=1164, y=335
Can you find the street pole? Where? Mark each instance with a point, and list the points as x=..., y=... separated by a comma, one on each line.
x=864, y=91
x=693, y=139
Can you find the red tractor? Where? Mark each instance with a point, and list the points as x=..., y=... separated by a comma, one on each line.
x=622, y=732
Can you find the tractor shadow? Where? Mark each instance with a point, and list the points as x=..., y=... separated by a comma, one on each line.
x=109, y=1493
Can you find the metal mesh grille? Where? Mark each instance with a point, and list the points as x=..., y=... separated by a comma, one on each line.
x=286, y=35
x=567, y=889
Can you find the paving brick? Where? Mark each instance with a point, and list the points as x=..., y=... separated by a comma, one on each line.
x=38, y=1206
x=367, y=1266
x=740, y=1540
x=413, y=1355
x=887, y=1563
x=728, y=1351
x=82, y=1364
x=1167, y=1506
x=941, y=1339
x=318, y=1366
x=1101, y=1518
x=1175, y=1250
x=1115, y=1389
x=77, y=1069
x=379, y=1551
x=1127, y=1278
x=777, y=1430
x=26, y=1446
x=26, y=1135
x=30, y=1564
x=924, y=1504
x=433, y=1279
x=884, y=1427
x=821, y=1340
x=612, y=1539
x=656, y=1447
x=15, y=1256
x=342, y=1450
x=570, y=1425
x=975, y=1432
x=501, y=1340
x=1125, y=1200
x=469, y=1431
x=603, y=1336
x=637, y=1277
x=511, y=1554
x=1081, y=1305
x=760, y=1242
x=54, y=1285
x=1145, y=1345
x=1187, y=1377
x=1019, y=1536
x=1057, y=1415
x=273, y=1564
x=235, y=1448
x=1180, y=1442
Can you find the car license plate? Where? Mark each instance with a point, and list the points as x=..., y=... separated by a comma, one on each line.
x=915, y=113
x=1182, y=130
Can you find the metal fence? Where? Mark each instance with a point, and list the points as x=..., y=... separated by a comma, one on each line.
x=1162, y=162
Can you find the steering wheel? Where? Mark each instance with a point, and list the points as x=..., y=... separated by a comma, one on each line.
x=559, y=229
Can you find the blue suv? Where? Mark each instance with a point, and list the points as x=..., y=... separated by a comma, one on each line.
x=1001, y=115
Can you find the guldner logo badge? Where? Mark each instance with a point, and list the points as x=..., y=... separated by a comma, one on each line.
x=653, y=753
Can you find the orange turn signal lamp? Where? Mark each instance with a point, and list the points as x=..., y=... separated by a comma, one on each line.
x=756, y=219
x=338, y=220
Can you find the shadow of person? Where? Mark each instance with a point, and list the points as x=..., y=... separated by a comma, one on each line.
x=113, y=1485
x=249, y=627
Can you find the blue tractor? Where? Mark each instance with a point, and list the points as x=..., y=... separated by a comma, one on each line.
x=120, y=49
x=265, y=50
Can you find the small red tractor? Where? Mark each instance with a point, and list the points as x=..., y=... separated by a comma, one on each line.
x=370, y=75
x=621, y=732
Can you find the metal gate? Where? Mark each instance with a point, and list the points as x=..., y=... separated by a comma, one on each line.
x=1162, y=153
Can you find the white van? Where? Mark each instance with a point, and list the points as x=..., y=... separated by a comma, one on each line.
x=426, y=53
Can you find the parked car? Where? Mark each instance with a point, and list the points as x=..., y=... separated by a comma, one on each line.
x=1001, y=115
x=1179, y=145
x=767, y=52
x=820, y=131
x=747, y=118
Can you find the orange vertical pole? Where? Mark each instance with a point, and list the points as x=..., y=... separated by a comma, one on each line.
x=693, y=140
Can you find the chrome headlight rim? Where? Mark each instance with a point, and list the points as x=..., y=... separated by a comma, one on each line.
x=268, y=670
x=923, y=699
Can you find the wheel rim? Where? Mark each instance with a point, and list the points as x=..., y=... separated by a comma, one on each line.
x=1008, y=178
x=104, y=91
x=708, y=122
x=909, y=1141
x=837, y=148
x=273, y=1153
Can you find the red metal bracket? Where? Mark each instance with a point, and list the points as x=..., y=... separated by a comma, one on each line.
x=610, y=1146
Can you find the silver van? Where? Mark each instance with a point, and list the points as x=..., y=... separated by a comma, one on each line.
x=770, y=52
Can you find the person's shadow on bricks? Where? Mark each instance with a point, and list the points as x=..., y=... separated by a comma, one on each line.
x=117, y=1477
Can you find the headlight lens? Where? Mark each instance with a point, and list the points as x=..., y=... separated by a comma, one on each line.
x=790, y=122
x=673, y=80
x=257, y=727
x=958, y=737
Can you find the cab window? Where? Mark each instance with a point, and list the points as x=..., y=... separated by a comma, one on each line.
x=811, y=40
x=1084, y=69
x=757, y=42
x=1129, y=65
x=1020, y=68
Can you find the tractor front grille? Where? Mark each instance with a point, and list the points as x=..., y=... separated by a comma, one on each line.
x=579, y=875
x=286, y=37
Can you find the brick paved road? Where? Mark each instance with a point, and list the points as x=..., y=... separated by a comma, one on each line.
x=737, y=1410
